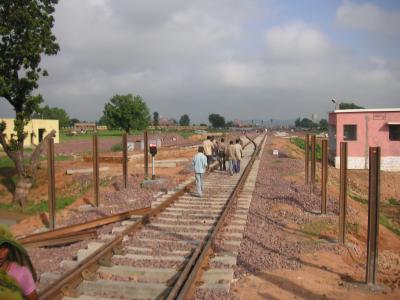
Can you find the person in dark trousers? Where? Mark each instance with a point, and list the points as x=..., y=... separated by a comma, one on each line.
x=208, y=150
x=200, y=166
x=17, y=274
x=221, y=155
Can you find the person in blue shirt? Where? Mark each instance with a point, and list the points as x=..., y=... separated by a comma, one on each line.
x=200, y=165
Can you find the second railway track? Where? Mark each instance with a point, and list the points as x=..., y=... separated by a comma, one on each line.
x=160, y=255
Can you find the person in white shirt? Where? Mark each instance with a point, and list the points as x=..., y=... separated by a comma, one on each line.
x=200, y=165
x=238, y=154
x=208, y=149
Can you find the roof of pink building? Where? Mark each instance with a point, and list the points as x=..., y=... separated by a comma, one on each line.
x=339, y=111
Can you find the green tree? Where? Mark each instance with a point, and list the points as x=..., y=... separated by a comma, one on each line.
x=229, y=124
x=297, y=122
x=73, y=121
x=184, y=120
x=156, y=119
x=126, y=112
x=344, y=105
x=216, y=120
x=26, y=34
x=323, y=124
x=53, y=113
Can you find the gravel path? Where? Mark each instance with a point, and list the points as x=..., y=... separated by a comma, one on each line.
x=268, y=243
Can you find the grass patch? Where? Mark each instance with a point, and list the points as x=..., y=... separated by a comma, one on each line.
x=393, y=201
x=383, y=220
x=315, y=228
x=353, y=227
x=65, y=136
x=63, y=157
x=186, y=134
x=105, y=181
x=37, y=208
x=276, y=161
x=33, y=208
x=6, y=162
x=117, y=148
x=302, y=145
x=357, y=198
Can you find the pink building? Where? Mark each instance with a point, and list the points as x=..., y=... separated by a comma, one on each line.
x=364, y=128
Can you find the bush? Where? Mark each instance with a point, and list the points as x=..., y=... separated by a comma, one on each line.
x=117, y=148
x=302, y=145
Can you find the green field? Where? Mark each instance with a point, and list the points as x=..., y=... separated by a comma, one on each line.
x=64, y=136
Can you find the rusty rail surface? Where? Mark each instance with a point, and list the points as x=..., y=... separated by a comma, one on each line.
x=184, y=286
x=66, y=286
x=62, y=240
x=75, y=229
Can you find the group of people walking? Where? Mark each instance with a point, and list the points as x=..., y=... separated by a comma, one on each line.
x=212, y=150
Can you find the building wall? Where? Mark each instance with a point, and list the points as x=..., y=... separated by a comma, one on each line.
x=372, y=131
x=33, y=128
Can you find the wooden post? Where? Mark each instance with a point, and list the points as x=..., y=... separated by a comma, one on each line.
x=146, y=155
x=324, y=175
x=96, y=169
x=51, y=184
x=125, y=159
x=343, y=192
x=306, y=158
x=373, y=213
x=313, y=162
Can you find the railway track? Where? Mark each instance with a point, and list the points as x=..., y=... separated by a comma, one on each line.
x=162, y=254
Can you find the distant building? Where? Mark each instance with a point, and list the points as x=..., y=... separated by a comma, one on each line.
x=78, y=127
x=165, y=122
x=36, y=130
x=364, y=128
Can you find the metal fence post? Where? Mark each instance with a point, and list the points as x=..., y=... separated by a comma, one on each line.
x=343, y=192
x=51, y=184
x=125, y=159
x=373, y=213
x=146, y=155
x=95, y=154
x=313, y=158
x=324, y=175
x=306, y=158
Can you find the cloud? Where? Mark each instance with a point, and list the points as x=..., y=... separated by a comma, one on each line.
x=199, y=57
x=368, y=17
x=296, y=41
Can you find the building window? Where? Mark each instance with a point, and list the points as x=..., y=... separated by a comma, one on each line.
x=394, y=132
x=350, y=132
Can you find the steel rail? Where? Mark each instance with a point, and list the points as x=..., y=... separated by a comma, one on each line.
x=67, y=284
x=77, y=228
x=184, y=286
x=62, y=240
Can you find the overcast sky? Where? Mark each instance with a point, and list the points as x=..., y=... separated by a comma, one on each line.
x=244, y=59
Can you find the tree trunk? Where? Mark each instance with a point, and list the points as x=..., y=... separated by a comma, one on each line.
x=26, y=172
x=22, y=189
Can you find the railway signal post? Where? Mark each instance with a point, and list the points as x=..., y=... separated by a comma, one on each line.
x=153, y=152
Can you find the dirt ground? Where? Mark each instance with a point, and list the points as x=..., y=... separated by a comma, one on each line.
x=290, y=251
